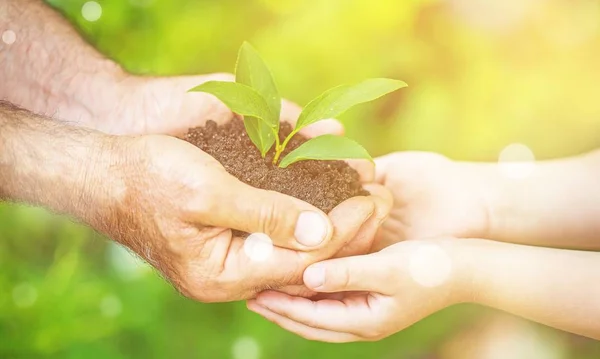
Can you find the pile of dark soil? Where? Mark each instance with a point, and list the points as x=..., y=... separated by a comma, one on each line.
x=324, y=184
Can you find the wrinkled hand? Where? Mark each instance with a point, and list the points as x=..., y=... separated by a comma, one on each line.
x=433, y=197
x=162, y=105
x=175, y=206
x=370, y=297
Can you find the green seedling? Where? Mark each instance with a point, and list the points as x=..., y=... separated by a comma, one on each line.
x=254, y=95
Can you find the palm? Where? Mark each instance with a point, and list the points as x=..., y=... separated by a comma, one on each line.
x=432, y=198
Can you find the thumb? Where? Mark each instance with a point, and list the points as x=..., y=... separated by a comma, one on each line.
x=368, y=273
x=382, y=166
x=288, y=221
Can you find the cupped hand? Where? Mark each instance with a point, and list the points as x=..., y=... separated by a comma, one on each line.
x=369, y=297
x=433, y=197
x=142, y=105
x=176, y=207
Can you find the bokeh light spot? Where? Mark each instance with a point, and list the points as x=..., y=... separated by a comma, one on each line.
x=246, y=348
x=91, y=11
x=9, y=37
x=258, y=246
x=516, y=161
x=110, y=306
x=24, y=295
x=430, y=265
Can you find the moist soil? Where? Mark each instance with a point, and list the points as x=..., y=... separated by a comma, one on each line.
x=324, y=184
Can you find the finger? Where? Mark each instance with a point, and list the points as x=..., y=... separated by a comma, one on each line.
x=256, y=271
x=382, y=165
x=353, y=316
x=288, y=221
x=347, y=218
x=301, y=329
x=297, y=291
x=365, y=169
x=185, y=83
x=363, y=241
x=323, y=127
x=197, y=107
x=375, y=272
x=336, y=295
x=290, y=112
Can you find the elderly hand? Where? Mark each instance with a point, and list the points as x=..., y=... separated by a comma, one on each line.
x=175, y=206
x=161, y=105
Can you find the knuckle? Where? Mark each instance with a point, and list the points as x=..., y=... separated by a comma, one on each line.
x=340, y=278
x=270, y=222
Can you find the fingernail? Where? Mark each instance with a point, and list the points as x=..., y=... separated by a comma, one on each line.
x=311, y=229
x=314, y=276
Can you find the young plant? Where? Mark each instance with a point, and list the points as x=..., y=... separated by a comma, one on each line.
x=255, y=96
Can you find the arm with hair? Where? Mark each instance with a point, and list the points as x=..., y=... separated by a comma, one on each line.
x=51, y=164
x=172, y=204
x=50, y=69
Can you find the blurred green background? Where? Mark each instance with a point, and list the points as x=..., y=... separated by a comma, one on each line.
x=482, y=75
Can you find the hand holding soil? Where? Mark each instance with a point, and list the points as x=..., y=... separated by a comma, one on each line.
x=180, y=206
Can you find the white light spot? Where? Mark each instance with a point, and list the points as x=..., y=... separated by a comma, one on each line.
x=128, y=265
x=430, y=265
x=516, y=161
x=246, y=348
x=24, y=295
x=258, y=246
x=9, y=37
x=110, y=306
x=91, y=11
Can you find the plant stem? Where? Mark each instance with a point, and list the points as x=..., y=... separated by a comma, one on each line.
x=279, y=149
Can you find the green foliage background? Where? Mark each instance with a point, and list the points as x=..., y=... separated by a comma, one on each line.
x=482, y=75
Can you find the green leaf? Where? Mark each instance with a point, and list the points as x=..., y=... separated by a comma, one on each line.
x=326, y=147
x=252, y=71
x=337, y=100
x=241, y=99
x=260, y=134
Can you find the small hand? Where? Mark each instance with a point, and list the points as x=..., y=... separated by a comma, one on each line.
x=175, y=206
x=369, y=297
x=433, y=197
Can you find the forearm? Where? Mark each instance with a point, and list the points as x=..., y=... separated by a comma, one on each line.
x=556, y=287
x=558, y=205
x=48, y=163
x=50, y=69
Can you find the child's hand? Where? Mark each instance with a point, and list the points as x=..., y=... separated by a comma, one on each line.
x=433, y=197
x=375, y=295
